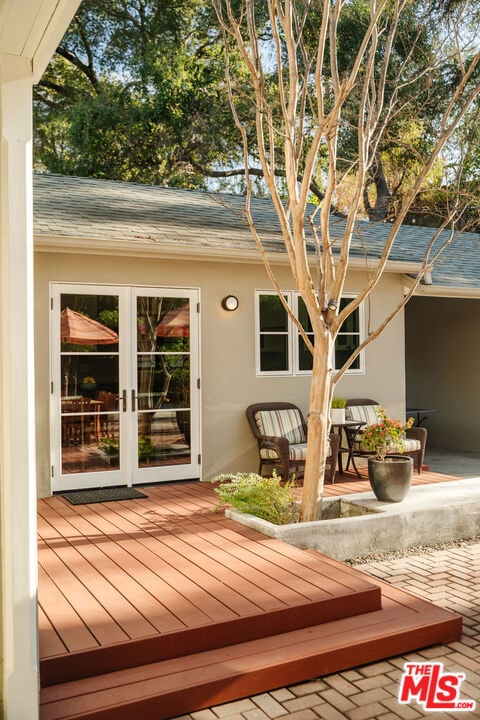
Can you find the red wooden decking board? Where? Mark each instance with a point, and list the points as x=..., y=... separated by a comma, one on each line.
x=138, y=583
x=245, y=581
x=199, y=569
x=231, y=547
x=277, y=553
x=91, y=611
x=196, y=533
x=197, y=681
x=89, y=567
x=119, y=561
x=250, y=567
x=349, y=484
x=62, y=618
x=48, y=638
x=164, y=576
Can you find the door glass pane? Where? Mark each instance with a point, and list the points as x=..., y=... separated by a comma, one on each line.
x=163, y=380
x=89, y=376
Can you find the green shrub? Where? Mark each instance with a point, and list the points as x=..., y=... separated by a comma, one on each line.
x=266, y=498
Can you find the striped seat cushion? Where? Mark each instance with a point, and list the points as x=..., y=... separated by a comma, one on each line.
x=281, y=423
x=296, y=453
x=363, y=413
x=409, y=445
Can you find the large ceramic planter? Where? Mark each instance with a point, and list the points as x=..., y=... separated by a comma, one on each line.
x=391, y=478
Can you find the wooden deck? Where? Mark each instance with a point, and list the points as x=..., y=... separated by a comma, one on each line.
x=158, y=606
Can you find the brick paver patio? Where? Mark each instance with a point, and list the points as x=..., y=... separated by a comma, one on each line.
x=449, y=577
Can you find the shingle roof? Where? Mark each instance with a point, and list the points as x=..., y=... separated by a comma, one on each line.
x=108, y=211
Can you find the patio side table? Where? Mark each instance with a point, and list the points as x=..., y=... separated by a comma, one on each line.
x=349, y=429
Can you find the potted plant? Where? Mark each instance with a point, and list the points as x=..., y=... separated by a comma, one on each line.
x=390, y=472
x=337, y=411
x=110, y=447
x=145, y=449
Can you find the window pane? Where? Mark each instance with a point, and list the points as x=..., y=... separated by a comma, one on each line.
x=344, y=347
x=303, y=315
x=273, y=317
x=305, y=358
x=352, y=323
x=273, y=353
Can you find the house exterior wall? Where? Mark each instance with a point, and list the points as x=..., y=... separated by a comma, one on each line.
x=442, y=351
x=229, y=382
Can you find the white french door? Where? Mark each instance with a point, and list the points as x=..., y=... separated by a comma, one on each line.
x=125, y=398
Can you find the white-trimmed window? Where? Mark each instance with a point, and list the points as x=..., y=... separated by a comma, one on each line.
x=281, y=350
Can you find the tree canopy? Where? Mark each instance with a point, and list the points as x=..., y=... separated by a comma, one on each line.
x=136, y=91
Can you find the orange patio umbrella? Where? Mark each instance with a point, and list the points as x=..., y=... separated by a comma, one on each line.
x=175, y=323
x=82, y=330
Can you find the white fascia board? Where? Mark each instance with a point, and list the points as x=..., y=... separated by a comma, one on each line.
x=139, y=248
x=51, y=24
x=442, y=290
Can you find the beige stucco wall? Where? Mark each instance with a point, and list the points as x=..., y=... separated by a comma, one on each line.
x=229, y=382
x=442, y=358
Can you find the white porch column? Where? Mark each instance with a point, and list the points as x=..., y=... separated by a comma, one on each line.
x=17, y=457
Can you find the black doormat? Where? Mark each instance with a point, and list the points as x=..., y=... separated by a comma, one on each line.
x=87, y=497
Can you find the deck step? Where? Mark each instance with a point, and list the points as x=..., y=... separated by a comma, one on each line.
x=360, y=596
x=186, y=684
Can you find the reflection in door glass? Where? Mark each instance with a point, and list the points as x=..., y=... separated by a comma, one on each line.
x=164, y=438
x=90, y=380
x=163, y=380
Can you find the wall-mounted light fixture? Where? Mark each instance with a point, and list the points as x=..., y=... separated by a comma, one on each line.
x=230, y=302
x=427, y=278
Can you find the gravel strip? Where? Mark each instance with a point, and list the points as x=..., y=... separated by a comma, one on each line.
x=418, y=550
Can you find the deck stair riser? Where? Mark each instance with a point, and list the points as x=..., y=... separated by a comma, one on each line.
x=173, y=687
x=163, y=647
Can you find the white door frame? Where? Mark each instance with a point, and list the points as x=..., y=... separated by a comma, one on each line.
x=128, y=472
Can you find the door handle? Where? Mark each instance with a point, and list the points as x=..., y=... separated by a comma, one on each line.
x=133, y=399
x=124, y=401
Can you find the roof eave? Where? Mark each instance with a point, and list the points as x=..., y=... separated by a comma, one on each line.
x=150, y=248
x=436, y=290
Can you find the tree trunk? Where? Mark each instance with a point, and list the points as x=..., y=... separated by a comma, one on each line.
x=318, y=430
x=380, y=210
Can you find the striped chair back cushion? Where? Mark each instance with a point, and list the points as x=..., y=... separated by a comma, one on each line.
x=362, y=413
x=281, y=423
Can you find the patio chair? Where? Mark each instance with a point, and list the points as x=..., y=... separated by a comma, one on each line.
x=365, y=410
x=281, y=433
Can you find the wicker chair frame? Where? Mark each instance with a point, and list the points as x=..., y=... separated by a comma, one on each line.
x=284, y=466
